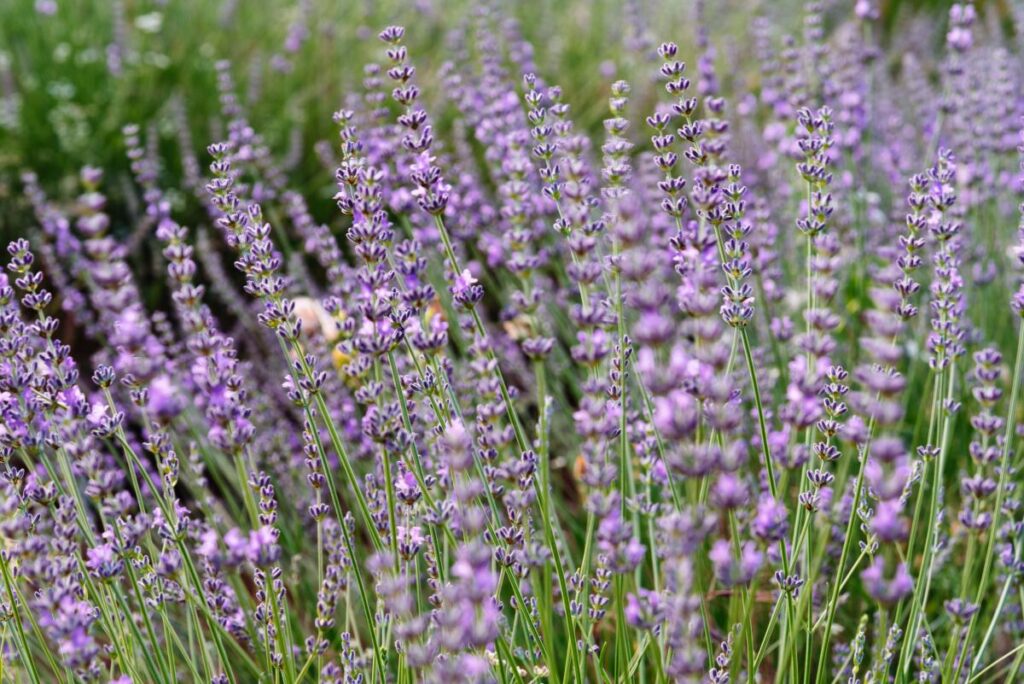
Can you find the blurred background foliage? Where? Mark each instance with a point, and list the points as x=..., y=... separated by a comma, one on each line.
x=74, y=72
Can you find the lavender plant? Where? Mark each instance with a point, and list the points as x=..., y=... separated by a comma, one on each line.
x=664, y=373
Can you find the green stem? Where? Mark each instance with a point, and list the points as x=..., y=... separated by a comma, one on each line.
x=1004, y=474
x=26, y=653
x=847, y=543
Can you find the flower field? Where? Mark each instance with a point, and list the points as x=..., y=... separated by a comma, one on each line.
x=594, y=341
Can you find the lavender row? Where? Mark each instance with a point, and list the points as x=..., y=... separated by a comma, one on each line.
x=726, y=389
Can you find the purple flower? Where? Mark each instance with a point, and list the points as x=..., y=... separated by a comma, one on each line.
x=71, y=625
x=103, y=562
x=770, y=522
x=262, y=548
x=888, y=523
x=617, y=541
x=466, y=290
x=884, y=587
x=731, y=570
x=407, y=488
x=675, y=415
x=643, y=609
x=164, y=399
x=473, y=567
x=729, y=491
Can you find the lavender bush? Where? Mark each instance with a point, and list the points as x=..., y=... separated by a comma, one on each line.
x=691, y=361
